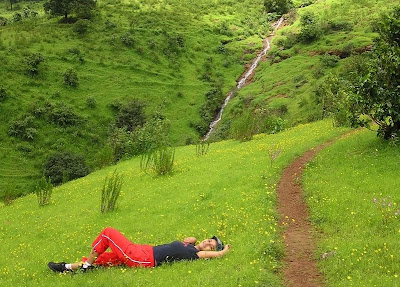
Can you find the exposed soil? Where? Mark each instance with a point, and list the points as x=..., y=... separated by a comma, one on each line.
x=300, y=264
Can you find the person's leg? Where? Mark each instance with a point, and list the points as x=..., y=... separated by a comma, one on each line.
x=108, y=238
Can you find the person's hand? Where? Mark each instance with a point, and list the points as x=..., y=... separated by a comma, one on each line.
x=227, y=247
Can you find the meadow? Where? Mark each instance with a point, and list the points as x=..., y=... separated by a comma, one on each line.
x=229, y=192
x=167, y=54
x=352, y=189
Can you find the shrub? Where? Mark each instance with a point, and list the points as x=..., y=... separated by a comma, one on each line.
x=127, y=40
x=202, y=148
x=81, y=26
x=23, y=128
x=3, y=21
x=278, y=6
x=160, y=161
x=91, y=102
x=245, y=127
x=43, y=191
x=32, y=63
x=71, y=78
x=131, y=115
x=109, y=25
x=110, y=192
x=62, y=115
x=310, y=29
x=3, y=94
x=17, y=17
x=329, y=61
x=64, y=166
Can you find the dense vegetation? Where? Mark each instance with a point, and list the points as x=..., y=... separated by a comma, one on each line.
x=70, y=78
x=321, y=40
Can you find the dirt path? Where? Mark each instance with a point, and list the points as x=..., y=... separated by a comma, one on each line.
x=300, y=266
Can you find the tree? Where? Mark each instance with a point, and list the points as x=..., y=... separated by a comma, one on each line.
x=82, y=8
x=12, y=2
x=377, y=85
x=278, y=6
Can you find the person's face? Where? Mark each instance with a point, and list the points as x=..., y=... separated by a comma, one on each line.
x=208, y=245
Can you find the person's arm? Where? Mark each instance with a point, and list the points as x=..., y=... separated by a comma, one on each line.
x=190, y=240
x=213, y=254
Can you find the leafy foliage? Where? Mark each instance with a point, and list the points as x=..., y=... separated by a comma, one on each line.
x=377, y=80
x=278, y=6
x=310, y=29
x=3, y=94
x=64, y=166
x=32, y=63
x=110, y=192
x=71, y=78
x=23, y=128
x=43, y=191
x=82, y=8
x=131, y=115
x=160, y=161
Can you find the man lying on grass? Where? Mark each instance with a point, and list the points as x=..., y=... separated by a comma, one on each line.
x=135, y=255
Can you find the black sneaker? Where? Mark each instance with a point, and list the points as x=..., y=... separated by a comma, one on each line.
x=57, y=267
x=81, y=269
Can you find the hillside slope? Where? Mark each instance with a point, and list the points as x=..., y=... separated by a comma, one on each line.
x=167, y=54
x=229, y=192
x=284, y=89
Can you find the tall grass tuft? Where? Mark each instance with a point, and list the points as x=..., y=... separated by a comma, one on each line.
x=202, y=148
x=160, y=160
x=110, y=192
x=43, y=191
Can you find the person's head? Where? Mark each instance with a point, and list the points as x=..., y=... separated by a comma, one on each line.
x=211, y=244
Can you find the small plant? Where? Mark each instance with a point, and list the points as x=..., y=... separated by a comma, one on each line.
x=202, y=148
x=91, y=102
x=43, y=191
x=71, y=78
x=387, y=208
x=32, y=63
x=81, y=26
x=3, y=94
x=273, y=154
x=110, y=192
x=127, y=40
x=160, y=160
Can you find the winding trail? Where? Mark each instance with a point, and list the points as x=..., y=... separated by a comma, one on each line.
x=300, y=265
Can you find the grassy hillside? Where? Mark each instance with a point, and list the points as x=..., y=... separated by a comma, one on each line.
x=285, y=85
x=229, y=192
x=168, y=54
x=353, y=193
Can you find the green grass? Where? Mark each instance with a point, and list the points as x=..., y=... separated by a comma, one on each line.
x=230, y=192
x=341, y=184
x=111, y=71
x=292, y=78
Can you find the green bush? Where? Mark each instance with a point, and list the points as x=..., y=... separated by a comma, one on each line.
x=43, y=191
x=32, y=63
x=310, y=29
x=160, y=161
x=3, y=21
x=3, y=94
x=110, y=192
x=64, y=166
x=23, y=128
x=81, y=26
x=278, y=6
x=127, y=40
x=91, y=102
x=130, y=115
x=62, y=115
x=329, y=61
x=245, y=126
x=17, y=17
x=71, y=78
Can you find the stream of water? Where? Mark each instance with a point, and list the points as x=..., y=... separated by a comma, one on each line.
x=242, y=81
